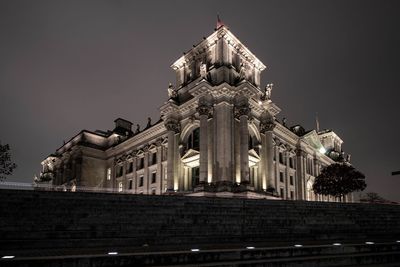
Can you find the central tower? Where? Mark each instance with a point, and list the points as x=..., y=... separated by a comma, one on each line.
x=217, y=100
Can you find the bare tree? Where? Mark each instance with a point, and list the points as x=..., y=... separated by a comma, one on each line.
x=6, y=165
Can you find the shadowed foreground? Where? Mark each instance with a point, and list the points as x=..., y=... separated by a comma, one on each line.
x=80, y=229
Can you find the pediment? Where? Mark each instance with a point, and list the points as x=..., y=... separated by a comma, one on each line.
x=191, y=158
x=313, y=140
x=190, y=154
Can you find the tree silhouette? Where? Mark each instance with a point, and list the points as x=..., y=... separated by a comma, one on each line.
x=338, y=180
x=372, y=197
x=6, y=165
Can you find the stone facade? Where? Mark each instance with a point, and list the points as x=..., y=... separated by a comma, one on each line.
x=217, y=135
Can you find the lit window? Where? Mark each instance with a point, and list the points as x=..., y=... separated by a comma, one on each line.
x=120, y=187
x=108, y=173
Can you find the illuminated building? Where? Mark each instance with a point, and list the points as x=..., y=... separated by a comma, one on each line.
x=217, y=136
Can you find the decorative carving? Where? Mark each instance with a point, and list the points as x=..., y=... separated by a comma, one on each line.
x=284, y=121
x=148, y=122
x=266, y=96
x=204, y=110
x=300, y=152
x=242, y=110
x=172, y=93
x=242, y=72
x=266, y=126
x=192, y=118
x=267, y=122
x=173, y=125
x=203, y=70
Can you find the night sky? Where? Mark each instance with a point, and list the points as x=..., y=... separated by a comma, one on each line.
x=72, y=65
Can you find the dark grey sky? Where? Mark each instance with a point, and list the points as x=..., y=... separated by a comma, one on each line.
x=72, y=65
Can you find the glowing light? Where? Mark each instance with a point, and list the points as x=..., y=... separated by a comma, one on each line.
x=113, y=253
x=298, y=246
x=369, y=243
x=195, y=250
x=8, y=257
x=260, y=102
x=336, y=244
x=250, y=247
x=398, y=241
x=322, y=150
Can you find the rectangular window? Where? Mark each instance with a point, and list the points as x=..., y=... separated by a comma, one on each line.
x=130, y=184
x=195, y=176
x=141, y=181
x=153, y=177
x=140, y=164
x=120, y=187
x=153, y=191
x=130, y=167
x=281, y=177
x=282, y=194
x=291, y=179
x=119, y=171
x=291, y=195
x=291, y=162
x=280, y=157
x=153, y=158
x=108, y=173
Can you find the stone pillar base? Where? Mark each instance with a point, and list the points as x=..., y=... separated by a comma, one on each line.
x=170, y=192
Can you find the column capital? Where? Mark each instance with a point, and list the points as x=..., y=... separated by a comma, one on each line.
x=242, y=110
x=173, y=125
x=267, y=126
x=203, y=109
x=300, y=152
x=267, y=122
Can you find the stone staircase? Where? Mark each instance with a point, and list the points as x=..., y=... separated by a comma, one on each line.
x=49, y=220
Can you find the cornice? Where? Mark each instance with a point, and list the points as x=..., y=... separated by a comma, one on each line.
x=144, y=137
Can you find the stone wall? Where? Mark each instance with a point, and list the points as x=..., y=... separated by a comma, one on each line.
x=42, y=219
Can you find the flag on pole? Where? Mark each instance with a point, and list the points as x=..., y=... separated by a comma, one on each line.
x=219, y=22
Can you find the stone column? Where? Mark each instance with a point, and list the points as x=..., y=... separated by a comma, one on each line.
x=159, y=189
x=146, y=175
x=173, y=127
x=186, y=178
x=287, y=174
x=242, y=113
x=134, y=175
x=300, y=173
x=204, y=111
x=267, y=126
x=223, y=143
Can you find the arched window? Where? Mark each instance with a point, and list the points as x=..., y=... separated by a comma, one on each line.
x=193, y=141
